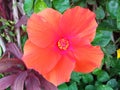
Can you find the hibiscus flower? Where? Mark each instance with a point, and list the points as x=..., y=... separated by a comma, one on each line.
x=60, y=43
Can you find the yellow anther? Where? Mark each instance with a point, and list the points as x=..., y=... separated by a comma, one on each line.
x=63, y=44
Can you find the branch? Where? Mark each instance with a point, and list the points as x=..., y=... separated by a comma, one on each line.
x=2, y=44
x=20, y=7
x=16, y=19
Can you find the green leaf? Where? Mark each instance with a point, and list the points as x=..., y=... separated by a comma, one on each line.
x=115, y=67
x=109, y=24
x=118, y=18
x=73, y=86
x=61, y=5
x=91, y=2
x=87, y=78
x=90, y=87
x=82, y=3
x=102, y=38
x=110, y=48
x=75, y=76
x=103, y=76
x=39, y=6
x=108, y=60
x=48, y=2
x=97, y=83
x=113, y=83
x=1, y=75
x=28, y=6
x=102, y=2
x=11, y=33
x=23, y=40
x=75, y=1
x=104, y=87
x=100, y=14
x=63, y=87
x=23, y=28
x=112, y=6
x=96, y=71
x=0, y=51
x=8, y=88
x=2, y=28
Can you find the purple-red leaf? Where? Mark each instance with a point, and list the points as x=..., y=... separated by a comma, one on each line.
x=6, y=64
x=11, y=47
x=32, y=82
x=7, y=81
x=23, y=21
x=6, y=9
x=19, y=82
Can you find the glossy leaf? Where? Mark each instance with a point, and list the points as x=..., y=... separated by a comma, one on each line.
x=104, y=87
x=76, y=77
x=109, y=24
x=48, y=2
x=90, y=87
x=61, y=5
x=87, y=78
x=102, y=38
x=100, y=14
x=28, y=6
x=73, y=86
x=118, y=18
x=103, y=76
x=39, y=6
x=113, y=83
x=112, y=7
x=75, y=1
x=82, y=3
x=110, y=48
x=91, y=2
x=63, y=87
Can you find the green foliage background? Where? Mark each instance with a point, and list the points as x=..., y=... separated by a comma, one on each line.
x=107, y=36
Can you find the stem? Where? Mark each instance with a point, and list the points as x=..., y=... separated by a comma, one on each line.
x=118, y=40
x=20, y=7
x=16, y=18
x=2, y=44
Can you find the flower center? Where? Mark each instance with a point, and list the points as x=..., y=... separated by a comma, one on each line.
x=63, y=44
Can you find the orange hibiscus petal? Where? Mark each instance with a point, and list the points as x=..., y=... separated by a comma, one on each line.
x=88, y=58
x=52, y=16
x=61, y=72
x=42, y=60
x=42, y=27
x=79, y=22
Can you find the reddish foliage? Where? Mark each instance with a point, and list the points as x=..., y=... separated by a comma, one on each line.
x=6, y=9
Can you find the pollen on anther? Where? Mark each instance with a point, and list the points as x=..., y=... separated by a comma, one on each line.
x=63, y=44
